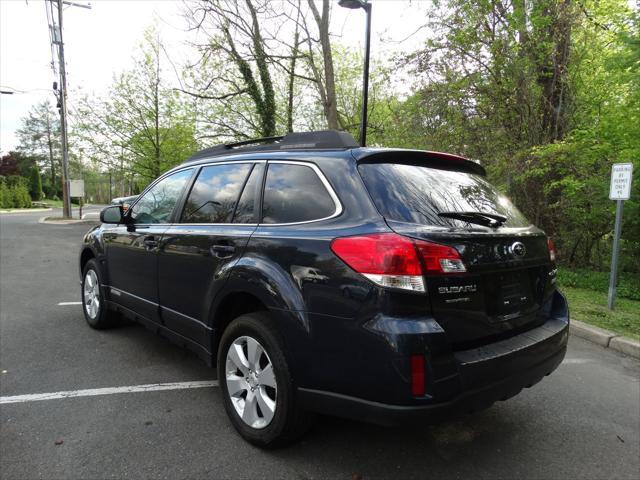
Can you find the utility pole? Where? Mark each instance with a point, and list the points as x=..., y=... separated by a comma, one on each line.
x=62, y=99
x=66, y=201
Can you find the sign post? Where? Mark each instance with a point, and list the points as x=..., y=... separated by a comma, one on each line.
x=620, y=190
x=76, y=189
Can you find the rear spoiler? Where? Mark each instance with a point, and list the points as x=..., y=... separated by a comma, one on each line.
x=442, y=160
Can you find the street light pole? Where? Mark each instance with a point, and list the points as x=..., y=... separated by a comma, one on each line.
x=355, y=4
x=365, y=78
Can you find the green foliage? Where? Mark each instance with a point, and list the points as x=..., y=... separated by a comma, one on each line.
x=14, y=192
x=143, y=127
x=547, y=95
x=35, y=185
x=628, y=282
x=39, y=136
x=4, y=194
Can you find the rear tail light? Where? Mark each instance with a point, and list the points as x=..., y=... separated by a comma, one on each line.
x=391, y=260
x=417, y=375
x=552, y=250
x=439, y=258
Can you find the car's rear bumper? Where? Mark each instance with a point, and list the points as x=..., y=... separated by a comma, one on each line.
x=485, y=375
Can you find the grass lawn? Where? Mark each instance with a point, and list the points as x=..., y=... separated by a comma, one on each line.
x=590, y=307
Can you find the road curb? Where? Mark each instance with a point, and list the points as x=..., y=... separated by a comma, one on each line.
x=67, y=222
x=27, y=210
x=625, y=345
x=605, y=338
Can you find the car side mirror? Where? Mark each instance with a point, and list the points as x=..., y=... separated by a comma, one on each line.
x=112, y=214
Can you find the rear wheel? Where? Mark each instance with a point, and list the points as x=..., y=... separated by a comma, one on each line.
x=256, y=383
x=95, y=310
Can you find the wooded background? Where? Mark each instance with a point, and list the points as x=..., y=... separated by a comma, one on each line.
x=545, y=93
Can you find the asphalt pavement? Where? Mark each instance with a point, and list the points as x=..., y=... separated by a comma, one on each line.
x=583, y=421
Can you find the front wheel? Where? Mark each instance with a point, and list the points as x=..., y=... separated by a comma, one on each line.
x=95, y=310
x=256, y=383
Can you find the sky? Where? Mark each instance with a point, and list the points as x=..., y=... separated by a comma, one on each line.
x=100, y=42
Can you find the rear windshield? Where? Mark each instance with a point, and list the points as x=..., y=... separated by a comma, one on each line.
x=416, y=194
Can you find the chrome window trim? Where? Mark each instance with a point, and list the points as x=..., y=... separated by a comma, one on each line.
x=197, y=166
x=210, y=224
x=325, y=182
x=334, y=197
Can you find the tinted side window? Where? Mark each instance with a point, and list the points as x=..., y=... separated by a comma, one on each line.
x=246, y=209
x=157, y=204
x=294, y=193
x=214, y=193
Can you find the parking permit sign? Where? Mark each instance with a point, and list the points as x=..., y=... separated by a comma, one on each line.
x=76, y=188
x=620, y=181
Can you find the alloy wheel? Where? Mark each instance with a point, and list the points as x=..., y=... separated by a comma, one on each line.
x=251, y=382
x=91, y=294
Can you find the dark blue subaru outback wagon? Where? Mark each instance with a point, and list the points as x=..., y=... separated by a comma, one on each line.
x=385, y=285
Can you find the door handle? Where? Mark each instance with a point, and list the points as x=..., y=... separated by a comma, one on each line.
x=223, y=251
x=150, y=242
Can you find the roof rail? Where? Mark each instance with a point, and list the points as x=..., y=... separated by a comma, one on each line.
x=321, y=140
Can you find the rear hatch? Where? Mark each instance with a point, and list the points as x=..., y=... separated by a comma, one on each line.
x=509, y=274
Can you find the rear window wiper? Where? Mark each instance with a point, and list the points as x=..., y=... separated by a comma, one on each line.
x=492, y=220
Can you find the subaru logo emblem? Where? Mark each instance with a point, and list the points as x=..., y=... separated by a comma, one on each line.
x=518, y=249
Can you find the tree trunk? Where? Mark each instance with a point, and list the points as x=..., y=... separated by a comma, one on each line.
x=268, y=111
x=553, y=71
x=292, y=77
x=330, y=104
x=156, y=106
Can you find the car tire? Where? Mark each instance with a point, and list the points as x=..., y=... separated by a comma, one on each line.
x=94, y=307
x=266, y=382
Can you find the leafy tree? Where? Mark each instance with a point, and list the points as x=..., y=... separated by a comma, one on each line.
x=546, y=94
x=39, y=137
x=17, y=163
x=35, y=184
x=143, y=126
x=14, y=192
x=233, y=71
x=565, y=184
x=322, y=74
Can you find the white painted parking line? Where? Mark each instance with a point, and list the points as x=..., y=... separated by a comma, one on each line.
x=69, y=303
x=575, y=361
x=153, y=387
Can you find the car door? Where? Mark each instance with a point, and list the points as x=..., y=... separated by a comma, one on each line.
x=132, y=248
x=218, y=217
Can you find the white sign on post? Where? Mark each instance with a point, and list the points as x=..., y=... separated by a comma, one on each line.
x=620, y=181
x=76, y=188
x=620, y=190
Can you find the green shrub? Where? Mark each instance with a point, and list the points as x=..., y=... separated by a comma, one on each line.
x=35, y=184
x=5, y=200
x=628, y=282
x=21, y=197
